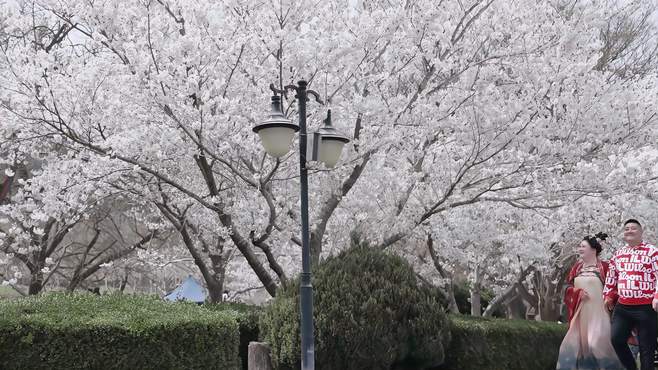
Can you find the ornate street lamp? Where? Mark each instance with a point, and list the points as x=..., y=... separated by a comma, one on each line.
x=327, y=144
x=276, y=134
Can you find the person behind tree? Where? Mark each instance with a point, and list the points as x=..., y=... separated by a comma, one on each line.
x=630, y=293
x=586, y=346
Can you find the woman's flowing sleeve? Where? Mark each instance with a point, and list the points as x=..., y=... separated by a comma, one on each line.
x=572, y=295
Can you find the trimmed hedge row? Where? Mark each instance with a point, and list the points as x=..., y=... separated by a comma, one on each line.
x=60, y=331
x=476, y=344
x=499, y=344
x=248, y=317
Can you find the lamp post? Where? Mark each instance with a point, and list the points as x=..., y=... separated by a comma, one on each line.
x=277, y=133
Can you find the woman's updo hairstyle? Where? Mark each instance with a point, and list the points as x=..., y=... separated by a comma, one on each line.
x=594, y=241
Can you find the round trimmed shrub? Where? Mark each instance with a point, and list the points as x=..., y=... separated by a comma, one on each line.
x=370, y=312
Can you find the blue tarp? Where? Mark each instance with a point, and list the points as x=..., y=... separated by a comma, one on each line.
x=190, y=290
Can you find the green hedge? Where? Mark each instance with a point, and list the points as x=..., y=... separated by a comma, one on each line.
x=247, y=317
x=499, y=344
x=59, y=331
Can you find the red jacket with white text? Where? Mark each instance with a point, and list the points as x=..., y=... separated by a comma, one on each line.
x=631, y=278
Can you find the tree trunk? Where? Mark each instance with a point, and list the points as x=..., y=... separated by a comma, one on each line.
x=247, y=251
x=216, y=283
x=243, y=245
x=4, y=188
x=549, y=309
x=215, y=286
x=83, y=272
x=516, y=308
x=75, y=281
x=36, y=283
x=215, y=290
x=452, y=302
x=124, y=282
x=476, y=305
x=448, y=292
x=515, y=290
x=548, y=283
x=500, y=300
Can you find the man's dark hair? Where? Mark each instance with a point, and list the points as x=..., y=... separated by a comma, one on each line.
x=632, y=221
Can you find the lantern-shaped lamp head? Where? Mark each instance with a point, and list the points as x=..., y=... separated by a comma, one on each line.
x=328, y=143
x=276, y=133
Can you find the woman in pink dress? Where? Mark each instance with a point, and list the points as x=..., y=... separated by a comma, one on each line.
x=587, y=344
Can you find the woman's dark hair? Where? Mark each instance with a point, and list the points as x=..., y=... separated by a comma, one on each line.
x=594, y=241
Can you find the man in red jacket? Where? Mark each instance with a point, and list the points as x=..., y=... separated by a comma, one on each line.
x=631, y=293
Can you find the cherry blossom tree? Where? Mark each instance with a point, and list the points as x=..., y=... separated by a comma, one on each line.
x=450, y=105
x=54, y=227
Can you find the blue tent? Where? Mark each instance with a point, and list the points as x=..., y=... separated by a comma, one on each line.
x=190, y=290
